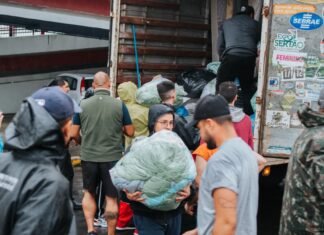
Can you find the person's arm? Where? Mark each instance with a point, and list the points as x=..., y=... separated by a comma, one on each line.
x=221, y=41
x=225, y=203
x=250, y=138
x=201, y=164
x=75, y=134
x=261, y=161
x=75, y=129
x=128, y=127
x=191, y=232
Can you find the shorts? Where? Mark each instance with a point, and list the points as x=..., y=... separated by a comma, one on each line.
x=94, y=172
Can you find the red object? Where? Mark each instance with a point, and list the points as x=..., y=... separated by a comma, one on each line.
x=82, y=86
x=244, y=130
x=54, y=61
x=96, y=7
x=125, y=215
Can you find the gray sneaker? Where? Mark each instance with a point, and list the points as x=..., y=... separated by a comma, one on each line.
x=100, y=222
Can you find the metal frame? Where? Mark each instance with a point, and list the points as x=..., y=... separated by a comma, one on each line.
x=114, y=44
x=262, y=82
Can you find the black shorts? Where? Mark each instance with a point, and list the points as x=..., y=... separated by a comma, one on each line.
x=94, y=172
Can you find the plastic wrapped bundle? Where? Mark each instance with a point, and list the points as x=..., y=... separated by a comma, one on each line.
x=148, y=95
x=209, y=89
x=159, y=166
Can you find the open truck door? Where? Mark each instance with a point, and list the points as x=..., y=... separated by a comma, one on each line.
x=291, y=73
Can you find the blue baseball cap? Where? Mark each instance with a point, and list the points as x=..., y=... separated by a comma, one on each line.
x=58, y=104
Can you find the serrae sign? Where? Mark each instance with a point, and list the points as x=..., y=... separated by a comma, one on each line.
x=306, y=21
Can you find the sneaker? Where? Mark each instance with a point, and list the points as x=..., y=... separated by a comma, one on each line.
x=100, y=222
x=92, y=233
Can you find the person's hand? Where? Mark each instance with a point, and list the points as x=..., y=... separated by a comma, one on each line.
x=1, y=118
x=261, y=161
x=191, y=232
x=183, y=194
x=136, y=196
x=265, y=11
x=189, y=208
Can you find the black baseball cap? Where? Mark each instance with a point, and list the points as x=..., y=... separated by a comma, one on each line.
x=211, y=106
x=58, y=104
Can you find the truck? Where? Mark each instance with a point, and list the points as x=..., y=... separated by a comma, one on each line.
x=151, y=37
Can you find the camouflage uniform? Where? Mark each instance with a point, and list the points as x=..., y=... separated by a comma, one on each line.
x=303, y=202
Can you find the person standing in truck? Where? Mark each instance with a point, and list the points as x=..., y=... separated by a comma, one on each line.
x=237, y=49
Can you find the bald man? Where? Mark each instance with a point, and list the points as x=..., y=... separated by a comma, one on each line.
x=102, y=124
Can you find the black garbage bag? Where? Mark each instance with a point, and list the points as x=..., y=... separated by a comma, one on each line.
x=187, y=132
x=194, y=81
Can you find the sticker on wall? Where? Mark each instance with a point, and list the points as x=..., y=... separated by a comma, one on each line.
x=291, y=9
x=311, y=1
x=292, y=73
x=322, y=47
x=274, y=83
x=277, y=119
x=279, y=150
x=311, y=95
x=289, y=41
x=288, y=85
x=288, y=100
x=294, y=120
x=306, y=21
x=316, y=87
x=288, y=58
x=300, y=89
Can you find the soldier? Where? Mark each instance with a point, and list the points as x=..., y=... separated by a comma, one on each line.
x=303, y=202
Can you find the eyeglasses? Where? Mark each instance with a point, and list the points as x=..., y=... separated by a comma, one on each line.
x=166, y=123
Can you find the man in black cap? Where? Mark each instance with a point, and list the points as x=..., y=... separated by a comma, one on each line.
x=34, y=195
x=237, y=49
x=228, y=192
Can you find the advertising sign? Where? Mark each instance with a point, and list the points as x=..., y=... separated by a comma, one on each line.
x=294, y=74
x=306, y=21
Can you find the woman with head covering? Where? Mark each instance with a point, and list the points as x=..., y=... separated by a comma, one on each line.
x=149, y=221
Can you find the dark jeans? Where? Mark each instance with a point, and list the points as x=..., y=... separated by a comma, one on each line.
x=149, y=226
x=241, y=67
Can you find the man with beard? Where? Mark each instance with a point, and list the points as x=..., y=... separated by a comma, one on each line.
x=228, y=193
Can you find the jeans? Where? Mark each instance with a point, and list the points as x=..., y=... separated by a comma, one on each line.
x=150, y=226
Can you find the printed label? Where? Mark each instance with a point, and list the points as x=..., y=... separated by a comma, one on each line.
x=289, y=41
x=306, y=21
x=291, y=9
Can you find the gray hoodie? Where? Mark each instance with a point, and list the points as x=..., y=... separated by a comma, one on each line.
x=237, y=114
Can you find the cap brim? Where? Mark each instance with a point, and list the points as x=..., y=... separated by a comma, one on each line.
x=194, y=123
x=76, y=107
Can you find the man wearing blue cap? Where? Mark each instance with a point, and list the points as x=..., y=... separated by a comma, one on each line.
x=34, y=195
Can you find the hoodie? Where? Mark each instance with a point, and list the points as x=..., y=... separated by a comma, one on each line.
x=34, y=195
x=155, y=112
x=303, y=200
x=242, y=124
x=138, y=113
